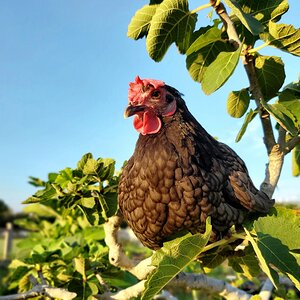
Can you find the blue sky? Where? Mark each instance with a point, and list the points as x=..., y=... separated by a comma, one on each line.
x=64, y=73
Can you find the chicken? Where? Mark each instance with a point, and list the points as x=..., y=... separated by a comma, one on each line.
x=179, y=174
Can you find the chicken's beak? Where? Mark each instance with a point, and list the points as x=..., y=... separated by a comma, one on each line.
x=132, y=110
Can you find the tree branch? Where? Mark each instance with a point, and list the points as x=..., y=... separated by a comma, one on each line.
x=273, y=170
x=117, y=257
x=269, y=139
x=228, y=24
x=291, y=144
x=274, y=150
x=41, y=290
x=203, y=282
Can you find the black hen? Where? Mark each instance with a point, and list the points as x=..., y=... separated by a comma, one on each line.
x=179, y=174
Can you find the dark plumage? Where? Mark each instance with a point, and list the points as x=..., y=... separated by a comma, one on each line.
x=179, y=174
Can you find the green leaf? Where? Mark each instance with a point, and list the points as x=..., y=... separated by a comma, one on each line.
x=274, y=246
x=296, y=161
x=64, y=177
x=249, y=117
x=88, y=202
x=293, y=86
x=93, y=287
x=284, y=37
x=219, y=71
x=173, y=257
x=44, y=257
x=172, y=22
x=252, y=24
x=211, y=259
x=264, y=11
x=83, y=161
x=36, y=181
x=91, y=215
x=41, y=210
x=104, y=207
x=79, y=264
x=106, y=168
x=140, y=23
x=211, y=35
x=282, y=115
x=280, y=221
x=290, y=99
x=245, y=262
x=238, y=103
x=278, y=256
x=95, y=233
x=273, y=276
x=111, y=199
x=198, y=62
x=270, y=74
x=47, y=193
x=31, y=200
x=91, y=167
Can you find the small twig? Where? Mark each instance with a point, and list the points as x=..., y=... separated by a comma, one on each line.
x=41, y=277
x=281, y=141
x=41, y=290
x=266, y=290
x=257, y=94
x=228, y=24
x=291, y=144
x=33, y=280
x=200, y=8
x=102, y=282
x=256, y=49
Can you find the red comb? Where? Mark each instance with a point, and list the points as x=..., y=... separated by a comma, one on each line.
x=136, y=88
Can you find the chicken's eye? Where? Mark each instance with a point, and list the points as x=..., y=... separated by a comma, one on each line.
x=155, y=94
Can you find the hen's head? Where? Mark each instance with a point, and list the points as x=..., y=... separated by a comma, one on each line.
x=149, y=101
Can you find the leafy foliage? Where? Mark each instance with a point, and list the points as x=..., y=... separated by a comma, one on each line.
x=66, y=242
x=211, y=59
x=91, y=187
x=286, y=110
x=276, y=250
x=284, y=37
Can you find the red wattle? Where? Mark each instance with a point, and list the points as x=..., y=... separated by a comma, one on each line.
x=147, y=123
